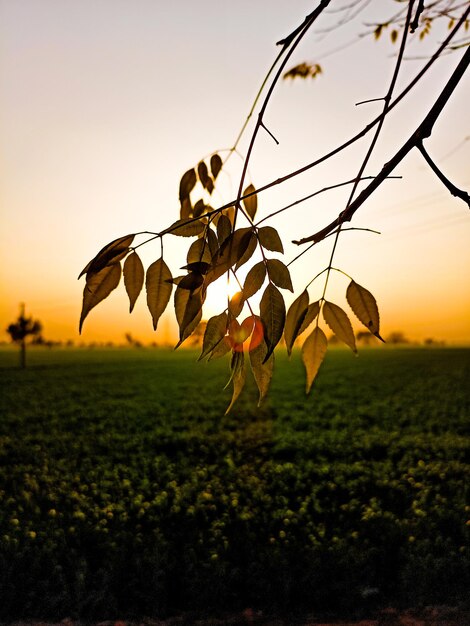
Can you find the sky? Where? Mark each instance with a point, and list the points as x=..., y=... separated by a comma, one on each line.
x=106, y=103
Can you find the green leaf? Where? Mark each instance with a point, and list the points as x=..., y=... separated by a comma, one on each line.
x=251, y=203
x=364, y=307
x=98, y=287
x=158, y=284
x=294, y=318
x=279, y=274
x=262, y=369
x=237, y=376
x=313, y=353
x=312, y=312
x=269, y=239
x=236, y=304
x=273, y=314
x=111, y=253
x=133, y=278
x=216, y=165
x=188, y=309
x=339, y=323
x=254, y=280
x=186, y=228
x=199, y=252
x=215, y=332
x=187, y=183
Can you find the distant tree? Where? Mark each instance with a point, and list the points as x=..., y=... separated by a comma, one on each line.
x=23, y=328
x=134, y=343
x=396, y=337
x=221, y=247
x=364, y=337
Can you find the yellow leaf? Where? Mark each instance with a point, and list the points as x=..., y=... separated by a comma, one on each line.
x=279, y=274
x=236, y=304
x=294, y=318
x=98, y=287
x=251, y=203
x=313, y=353
x=262, y=370
x=254, y=280
x=269, y=239
x=133, y=278
x=159, y=288
x=339, y=323
x=312, y=312
x=215, y=332
x=364, y=307
x=273, y=315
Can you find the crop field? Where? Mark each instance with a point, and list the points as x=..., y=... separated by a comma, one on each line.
x=125, y=491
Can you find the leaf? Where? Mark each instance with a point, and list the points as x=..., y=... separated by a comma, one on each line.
x=229, y=253
x=236, y=304
x=159, y=287
x=187, y=183
x=364, y=307
x=188, y=309
x=199, y=208
x=215, y=331
x=200, y=267
x=203, y=174
x=224, y=228
x=111, y=253
x=313, y=353
x=210, y=185
x=254, y=280
x=133, y=278
x=279, y=274
x=237, y=377
x=312, y=312
x=339, y=323
x=251, y=203
x=248, y=243
x=186, y=228
x=98, y=287
x=199, y=252
x=273, y=314
x=186, y=209
x=239, y=333
x=294, y=319
x=191, y=281
x=262, y=369
x=221, y=349
x=216, y=165
x=269, y=239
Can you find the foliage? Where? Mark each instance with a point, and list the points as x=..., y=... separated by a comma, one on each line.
x=222, y=246
x=124, y=493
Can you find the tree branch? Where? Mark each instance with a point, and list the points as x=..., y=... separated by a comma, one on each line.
x=455, y=191
x=423, y=131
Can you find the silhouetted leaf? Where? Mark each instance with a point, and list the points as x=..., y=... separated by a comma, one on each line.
x=186, y=228
x=159, y=287
x=203, y=173
x=248, y=243
x=339, y=323
x=187, y=184
x=215, y=332
x=191, y=281
x=237, y=377
x=269, y=239
x=254, y=279
x=98, y=287
x=216, y=165
x=111, y=253
x=364, y=307
x=224, y=228
x=210, y=185
x=312, y=312
x=199, y=208
x=199, y=252
x=133, y=278
x=294, y=318
x=200, y=267
x=188, y=309
x=273, y=314
x=279, y=274
x=251, y=203
x=229, y=253
x=236, y=304
x=186, y=209
x=262, y=369
x=313, y=353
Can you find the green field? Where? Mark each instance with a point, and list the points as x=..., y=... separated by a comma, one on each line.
x=125, y=491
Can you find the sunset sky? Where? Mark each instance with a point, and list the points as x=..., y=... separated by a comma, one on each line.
x=106, y=103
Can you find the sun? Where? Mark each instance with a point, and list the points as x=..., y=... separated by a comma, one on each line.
x=218, y=294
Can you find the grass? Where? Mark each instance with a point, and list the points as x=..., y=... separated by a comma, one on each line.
x=125, y=491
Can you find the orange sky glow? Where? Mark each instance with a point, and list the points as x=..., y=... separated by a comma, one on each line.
x=105, y=105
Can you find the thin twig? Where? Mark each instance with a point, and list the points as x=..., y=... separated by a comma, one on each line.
x=455, y=191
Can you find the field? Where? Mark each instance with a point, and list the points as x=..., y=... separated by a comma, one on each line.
x=125, y=491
